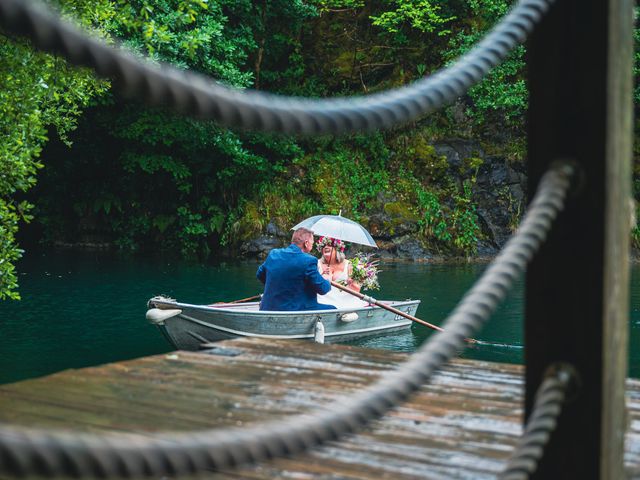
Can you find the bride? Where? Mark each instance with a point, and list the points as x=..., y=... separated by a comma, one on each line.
x=333, y=265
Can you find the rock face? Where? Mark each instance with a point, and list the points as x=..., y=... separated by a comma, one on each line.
x=499, y=193
x=261, y=246
x=500, y=196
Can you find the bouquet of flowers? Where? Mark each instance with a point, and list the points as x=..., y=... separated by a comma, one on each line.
x=365, y=271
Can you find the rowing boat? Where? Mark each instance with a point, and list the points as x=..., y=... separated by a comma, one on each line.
x=189, y=327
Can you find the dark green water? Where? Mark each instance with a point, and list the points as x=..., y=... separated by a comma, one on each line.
x=87, y=309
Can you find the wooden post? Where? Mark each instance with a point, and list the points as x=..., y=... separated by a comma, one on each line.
x=577, y=286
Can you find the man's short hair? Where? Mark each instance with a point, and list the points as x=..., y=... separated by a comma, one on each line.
x=301, y=235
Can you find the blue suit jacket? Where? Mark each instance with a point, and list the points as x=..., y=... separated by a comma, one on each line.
x=291, y=280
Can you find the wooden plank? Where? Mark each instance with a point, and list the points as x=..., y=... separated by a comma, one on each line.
x=577, y=287
x=464, y=424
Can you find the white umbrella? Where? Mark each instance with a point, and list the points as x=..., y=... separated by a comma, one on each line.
x=337, y=226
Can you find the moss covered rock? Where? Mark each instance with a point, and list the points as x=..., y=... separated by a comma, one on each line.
x=396, y=219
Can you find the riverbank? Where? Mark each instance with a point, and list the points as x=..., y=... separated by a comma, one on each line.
x=259, y=248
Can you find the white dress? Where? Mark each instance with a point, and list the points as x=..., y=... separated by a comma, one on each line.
x=337, y=297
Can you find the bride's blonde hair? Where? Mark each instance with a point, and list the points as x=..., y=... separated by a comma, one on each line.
x=340, y=256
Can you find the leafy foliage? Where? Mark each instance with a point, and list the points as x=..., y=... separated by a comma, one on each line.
x=501, y=98
x=205, y=176
x=218, y=187
x=423, y=15
x=347, y=179
x=636, y=58
x=37, y=92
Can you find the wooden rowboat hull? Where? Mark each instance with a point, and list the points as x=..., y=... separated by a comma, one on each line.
x=188, y=327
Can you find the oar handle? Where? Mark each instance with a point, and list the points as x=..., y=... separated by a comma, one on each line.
x=372, y=300
x=248, y=299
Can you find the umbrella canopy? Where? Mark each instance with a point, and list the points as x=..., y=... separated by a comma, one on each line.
x=339, y=227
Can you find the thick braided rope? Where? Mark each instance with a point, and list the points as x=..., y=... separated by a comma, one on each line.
x=197, y=95
x=49, y=453
x=547, y=407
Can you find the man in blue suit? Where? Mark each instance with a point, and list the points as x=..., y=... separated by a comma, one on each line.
x=291, y=278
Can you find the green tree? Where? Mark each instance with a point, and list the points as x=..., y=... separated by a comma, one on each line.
x=501, y=98
x=423, y=15
x=190, y=186
x=37, y=92
x=203, y=174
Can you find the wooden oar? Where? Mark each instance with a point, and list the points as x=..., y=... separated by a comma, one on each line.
x=242, y=300
x=373, y=301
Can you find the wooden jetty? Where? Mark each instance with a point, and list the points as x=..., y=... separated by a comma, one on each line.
x=462, y=425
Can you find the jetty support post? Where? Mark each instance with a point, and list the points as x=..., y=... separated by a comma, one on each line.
x=580, y=80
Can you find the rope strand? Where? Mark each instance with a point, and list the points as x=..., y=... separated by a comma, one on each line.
x=547, y=406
